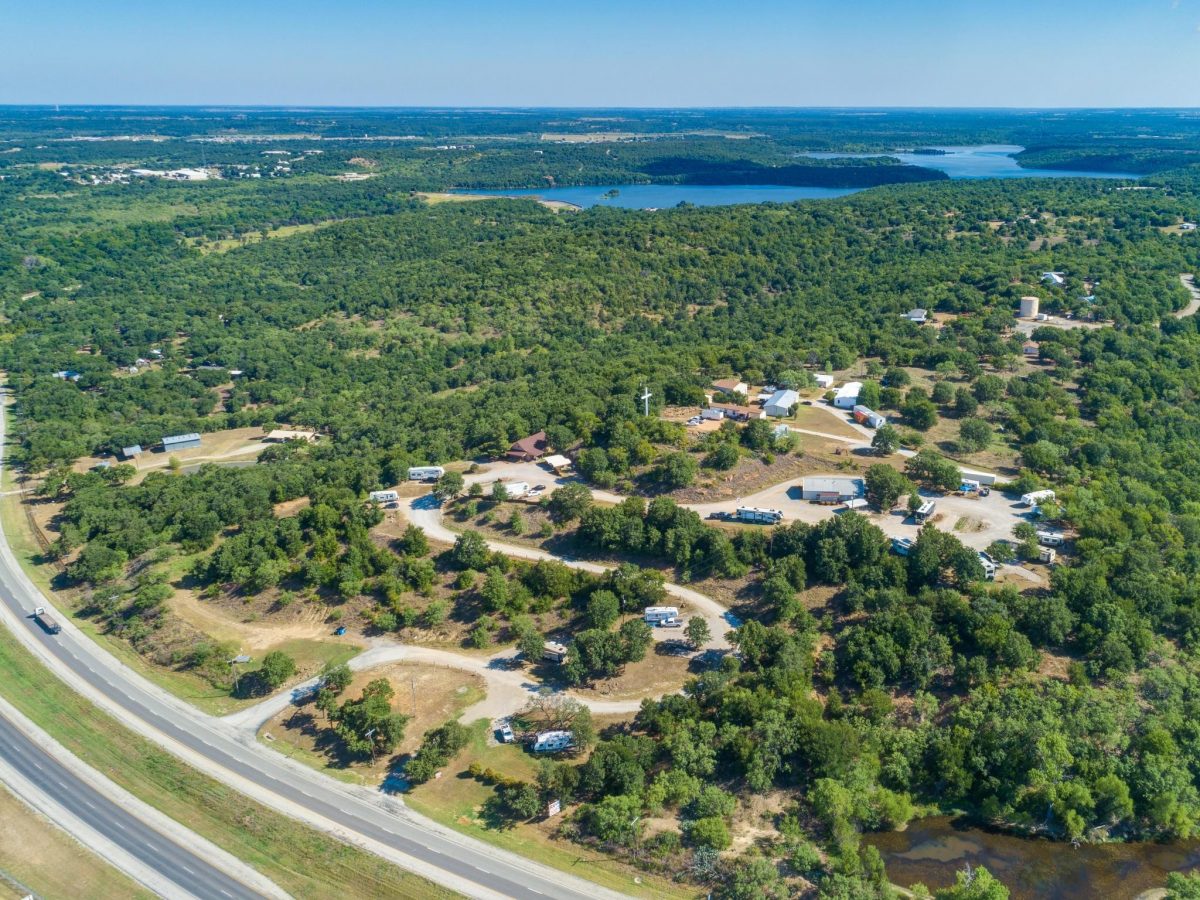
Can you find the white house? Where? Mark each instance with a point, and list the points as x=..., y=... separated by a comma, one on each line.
x=781, y=403
x=730, y=386
x=831, y=488
x=1054, y=278
x=553, y=741
x=824, y=382
x=847, y=395
x=918, y=316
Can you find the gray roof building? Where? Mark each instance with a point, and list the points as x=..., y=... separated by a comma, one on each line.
x=181, y=442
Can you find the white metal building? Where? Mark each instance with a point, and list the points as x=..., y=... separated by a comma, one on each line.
x=824, y=382
x=781, y=403
x=847, y=395
x=832, y=488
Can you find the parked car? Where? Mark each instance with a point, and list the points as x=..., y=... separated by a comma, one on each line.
x=670, y=623
x=505, y=734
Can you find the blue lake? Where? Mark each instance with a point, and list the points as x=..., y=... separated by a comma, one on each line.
x=662, y=196
x=980, y=161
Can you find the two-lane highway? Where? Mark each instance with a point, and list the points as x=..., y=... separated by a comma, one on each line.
x=191, y=874
x=367, y=818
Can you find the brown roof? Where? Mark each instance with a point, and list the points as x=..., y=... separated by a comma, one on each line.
x=532, y=447
x=727, y=384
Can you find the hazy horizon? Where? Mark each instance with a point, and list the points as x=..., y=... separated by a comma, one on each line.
x=670, y=55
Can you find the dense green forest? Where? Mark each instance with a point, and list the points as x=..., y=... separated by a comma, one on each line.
x=411, y=334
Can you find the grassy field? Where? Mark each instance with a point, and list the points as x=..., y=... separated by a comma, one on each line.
x=49, y=861
x=301, y=860
x=252, y=237
x=455, y=800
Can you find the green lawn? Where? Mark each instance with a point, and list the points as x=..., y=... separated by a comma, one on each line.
x=301, y=860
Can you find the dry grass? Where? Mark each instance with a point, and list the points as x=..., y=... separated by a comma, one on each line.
x=440, y=694
x=661, y=672
x=233, y=443
x=40, y=856
x=224, y=245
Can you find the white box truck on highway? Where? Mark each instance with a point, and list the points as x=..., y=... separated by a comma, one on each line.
x=43, y=618
x=1033, y=498
x=655, y=614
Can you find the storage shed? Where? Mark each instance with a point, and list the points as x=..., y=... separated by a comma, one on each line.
x=180, y=442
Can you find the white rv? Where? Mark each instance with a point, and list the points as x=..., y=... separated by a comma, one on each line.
x=654, y=614
x=553, y=742
x=425, y=473
x=384, y=497
x=514, y=490
x=760, y=516
x=1033, y=498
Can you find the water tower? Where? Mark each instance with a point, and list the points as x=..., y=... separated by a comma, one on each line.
x=1029, y=308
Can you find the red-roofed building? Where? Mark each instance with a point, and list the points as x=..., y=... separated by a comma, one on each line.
x=529, y=449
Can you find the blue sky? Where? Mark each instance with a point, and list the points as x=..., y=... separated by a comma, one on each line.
x=605, y=52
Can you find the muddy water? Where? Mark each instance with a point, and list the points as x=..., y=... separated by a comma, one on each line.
x=933, y=849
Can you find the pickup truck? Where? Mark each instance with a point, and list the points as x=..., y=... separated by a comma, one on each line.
x=43, y=618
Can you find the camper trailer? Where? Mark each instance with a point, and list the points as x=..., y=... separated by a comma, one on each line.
x=655, y=614
x=425, y=473
x=924, y=511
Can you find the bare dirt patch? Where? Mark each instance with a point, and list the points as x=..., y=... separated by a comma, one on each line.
x=290, y=507
x=432, y=695
x=661, y=672
x=754, y=474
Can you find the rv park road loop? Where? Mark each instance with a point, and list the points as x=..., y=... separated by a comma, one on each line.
x=370, y=819
x=227, y=749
